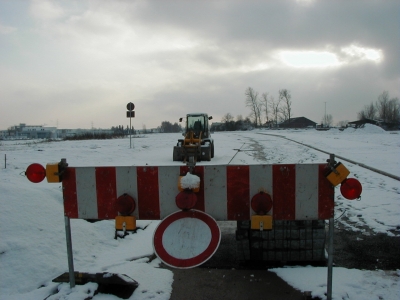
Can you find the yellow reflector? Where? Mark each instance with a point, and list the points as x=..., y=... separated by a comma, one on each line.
x=337, y=177
x=52, y=172
x=129, y=221
x=261, y=222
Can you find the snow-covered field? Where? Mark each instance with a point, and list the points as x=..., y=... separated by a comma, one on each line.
x=32, y=243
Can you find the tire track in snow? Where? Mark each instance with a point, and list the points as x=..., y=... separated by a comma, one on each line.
x=338, y=156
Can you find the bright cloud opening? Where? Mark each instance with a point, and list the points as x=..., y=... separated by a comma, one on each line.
x=309, y=59
x=358, y=52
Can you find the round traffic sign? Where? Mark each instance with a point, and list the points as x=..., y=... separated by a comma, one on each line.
x=130, y=106
x=186, y=239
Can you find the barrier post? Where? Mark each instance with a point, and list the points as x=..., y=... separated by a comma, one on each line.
x=69, y=252
x=330, y=246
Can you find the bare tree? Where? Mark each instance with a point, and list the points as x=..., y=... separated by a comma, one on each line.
x=361, y=115
x=327, y=120
x=227, y=118
x=342, y=124
x=274, y=105
x=253, y=103
x=382, y=106
x=369, y=112
x=286, y=110
x=264, y=104
x=393, y=111
x=388, y=110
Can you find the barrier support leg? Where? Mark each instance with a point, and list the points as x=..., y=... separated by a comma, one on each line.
x=69, y=252
x=330, y=248
x=330, y=260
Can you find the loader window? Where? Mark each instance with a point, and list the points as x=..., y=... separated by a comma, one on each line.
x=195, y=123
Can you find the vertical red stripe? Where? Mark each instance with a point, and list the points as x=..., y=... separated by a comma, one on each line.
x=284, y=192
x=326, y=195
x=238, y=192
x=148, y=193
x=198, y=171
x=69, y=193
x=106, y=190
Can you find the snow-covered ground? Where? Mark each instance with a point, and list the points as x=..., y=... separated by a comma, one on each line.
x=32, y=243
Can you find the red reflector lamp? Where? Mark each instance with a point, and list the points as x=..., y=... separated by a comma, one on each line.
x=351, y=188
x=261, y=203
x=125, y=204
x=186, y=200
x=35, y=173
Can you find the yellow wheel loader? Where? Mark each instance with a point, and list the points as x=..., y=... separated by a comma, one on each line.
x=197, y=143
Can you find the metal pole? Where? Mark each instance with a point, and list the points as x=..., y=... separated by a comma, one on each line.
x=5, y=161
x=130, y=129
x=69, y=252
x=330, y=247
x=330, y=259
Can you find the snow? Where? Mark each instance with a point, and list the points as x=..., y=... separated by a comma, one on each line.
x=33, y=247
x=346, y=284
x=190, y=181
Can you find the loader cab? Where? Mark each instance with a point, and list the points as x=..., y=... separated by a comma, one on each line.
x=198, y=123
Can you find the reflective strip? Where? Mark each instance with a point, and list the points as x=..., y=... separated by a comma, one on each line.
x=326, y=193
x=215, y=191
x=148, y=193
x=168, y=189
x=198, y=171
x=69, y=193
x=238, y=192
x=86, y=193
x=260, y=180
x=306, y=192
x=126, y=181
x=106, y=191
x=284, y=192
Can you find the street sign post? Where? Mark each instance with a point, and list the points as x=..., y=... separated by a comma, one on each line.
x=130, y=114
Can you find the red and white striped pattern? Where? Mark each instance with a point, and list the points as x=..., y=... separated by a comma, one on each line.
x=298, y=191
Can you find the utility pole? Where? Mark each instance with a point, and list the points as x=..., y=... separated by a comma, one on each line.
x=325, y=116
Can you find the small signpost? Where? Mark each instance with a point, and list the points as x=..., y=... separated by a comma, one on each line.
x=130, y=114
x=186, y=239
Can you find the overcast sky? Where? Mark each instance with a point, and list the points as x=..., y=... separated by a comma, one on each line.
x=76, y=64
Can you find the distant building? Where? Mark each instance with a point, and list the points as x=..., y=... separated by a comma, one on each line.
x=299, y=122
x=23, y=131
x=65, y=133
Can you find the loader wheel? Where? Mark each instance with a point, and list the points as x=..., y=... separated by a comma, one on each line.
x=177, y=154
x=212, y=150
x=207, y=153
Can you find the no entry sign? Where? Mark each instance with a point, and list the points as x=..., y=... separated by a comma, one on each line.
x=186, y=239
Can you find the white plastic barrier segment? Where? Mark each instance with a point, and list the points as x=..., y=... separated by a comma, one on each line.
x=298, y=191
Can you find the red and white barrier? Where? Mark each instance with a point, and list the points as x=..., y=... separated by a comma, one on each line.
x=298, y=191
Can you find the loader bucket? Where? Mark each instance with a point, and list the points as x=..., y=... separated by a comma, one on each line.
x=119, y=285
